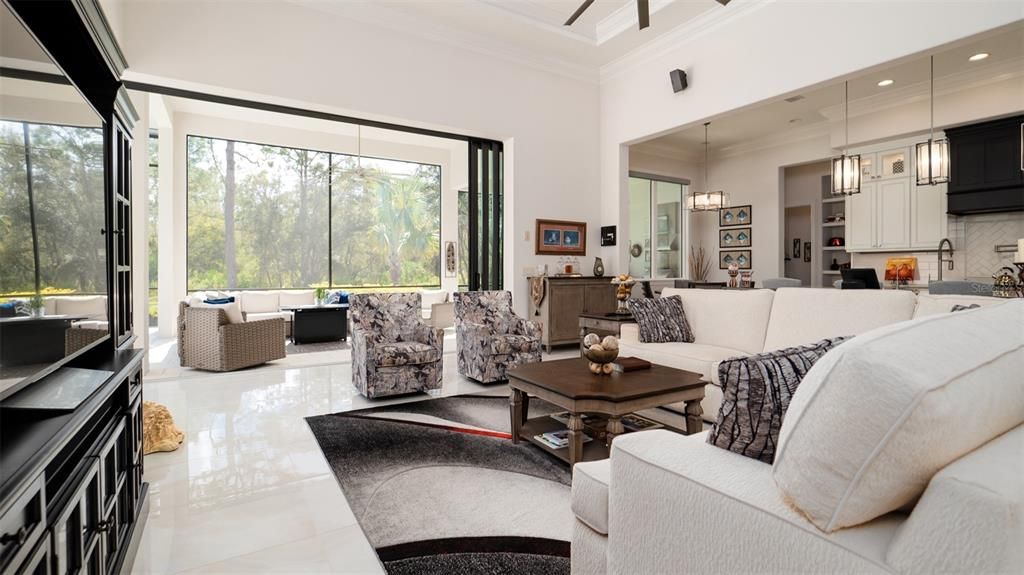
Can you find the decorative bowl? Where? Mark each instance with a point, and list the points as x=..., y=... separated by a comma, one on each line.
x=602, y=356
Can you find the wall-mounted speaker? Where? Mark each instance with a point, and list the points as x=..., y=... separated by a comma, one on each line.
x=678, y=80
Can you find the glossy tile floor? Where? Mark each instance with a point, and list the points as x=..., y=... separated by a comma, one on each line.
x=250, y=491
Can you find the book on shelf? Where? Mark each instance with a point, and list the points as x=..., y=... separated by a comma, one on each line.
x=634, y=422
x=627, y=364
x=589, y=420
x=557, y=439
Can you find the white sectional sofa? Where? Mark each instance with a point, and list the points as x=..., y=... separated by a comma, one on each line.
x=732, y=323
x=263, y=304
x=92, y=307
x=931, y=408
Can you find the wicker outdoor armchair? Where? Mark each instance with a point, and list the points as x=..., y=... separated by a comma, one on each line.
x=207, y=340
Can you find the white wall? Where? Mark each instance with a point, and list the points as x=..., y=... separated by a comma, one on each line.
x=288, y=54
x=765, y=50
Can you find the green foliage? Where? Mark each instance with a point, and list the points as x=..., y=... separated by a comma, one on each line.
x=67, y=188
x=382, y=217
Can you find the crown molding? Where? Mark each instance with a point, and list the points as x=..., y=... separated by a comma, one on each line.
x=715, y=17
x=509, y=8
x=667, y=152
x=971, y=78
x=624, y=18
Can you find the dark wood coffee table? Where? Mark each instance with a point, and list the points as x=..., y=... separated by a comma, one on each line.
x=569, y=384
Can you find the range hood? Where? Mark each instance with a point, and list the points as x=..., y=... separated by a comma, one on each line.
x=987, y=167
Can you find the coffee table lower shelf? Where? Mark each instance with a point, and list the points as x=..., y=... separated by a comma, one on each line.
x=593, y=450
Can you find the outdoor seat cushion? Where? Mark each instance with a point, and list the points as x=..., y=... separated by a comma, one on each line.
x=297, y=297
x=285, y=315
x=405, y=353
x=506, y=343
x=89, y=307
x=590, y=480
x=260, y=301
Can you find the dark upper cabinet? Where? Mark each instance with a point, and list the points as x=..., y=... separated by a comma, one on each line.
x=986, y=168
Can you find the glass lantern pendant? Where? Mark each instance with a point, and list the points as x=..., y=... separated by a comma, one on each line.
x=846, y=168
x=707, y=201
x=933, y=155
x=845, y=175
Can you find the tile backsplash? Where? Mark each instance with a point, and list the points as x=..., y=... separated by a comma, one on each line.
x=975, y=239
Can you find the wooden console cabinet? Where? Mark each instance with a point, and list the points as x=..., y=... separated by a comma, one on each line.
x=564, y=300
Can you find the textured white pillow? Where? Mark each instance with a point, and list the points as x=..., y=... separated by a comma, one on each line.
x=233, y=310
x=878, y=416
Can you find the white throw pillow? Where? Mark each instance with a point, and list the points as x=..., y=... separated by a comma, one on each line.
x=878, y=416
x=233, y=310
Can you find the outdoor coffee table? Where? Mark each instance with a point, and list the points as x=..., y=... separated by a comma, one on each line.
x=318, y=323
x=569, y=384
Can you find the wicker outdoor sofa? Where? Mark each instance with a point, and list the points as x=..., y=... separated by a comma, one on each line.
x=207, y=340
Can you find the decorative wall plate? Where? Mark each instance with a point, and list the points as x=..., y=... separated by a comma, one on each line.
x=735, y=237
x=736, y=216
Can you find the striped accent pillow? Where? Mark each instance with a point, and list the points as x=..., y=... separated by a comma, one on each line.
x=661, y=320
x=756, y=391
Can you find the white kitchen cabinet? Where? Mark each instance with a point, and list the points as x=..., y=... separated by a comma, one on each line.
x=885, y=164
x=860, y=219
x=892, y=205
x=928, y=221
x=892, y=213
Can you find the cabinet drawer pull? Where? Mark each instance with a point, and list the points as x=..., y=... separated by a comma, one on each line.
x=18, y=536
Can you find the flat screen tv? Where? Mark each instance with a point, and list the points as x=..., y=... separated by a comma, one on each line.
x=53, y=270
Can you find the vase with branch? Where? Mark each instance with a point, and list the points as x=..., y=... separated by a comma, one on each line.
x=700, y=264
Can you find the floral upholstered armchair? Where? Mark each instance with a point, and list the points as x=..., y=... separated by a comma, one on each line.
x=393, y=351
x=491, y=337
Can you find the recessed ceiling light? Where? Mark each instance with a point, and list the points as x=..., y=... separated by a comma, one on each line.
x=979, y=56
x=885, y=83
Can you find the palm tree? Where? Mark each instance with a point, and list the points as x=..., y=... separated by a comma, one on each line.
x=404, y=226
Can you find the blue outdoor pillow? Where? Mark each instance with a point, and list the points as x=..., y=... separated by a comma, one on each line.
x=222, y=300
x=338, y=297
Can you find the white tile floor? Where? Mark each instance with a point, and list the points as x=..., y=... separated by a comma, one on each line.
x=250, y=491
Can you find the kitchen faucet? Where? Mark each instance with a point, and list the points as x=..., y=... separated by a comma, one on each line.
x=945, y=241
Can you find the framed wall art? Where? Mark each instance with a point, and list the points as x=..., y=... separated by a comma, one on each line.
x=807, y=251
x=561, y=238
x=736, y=216
x=742, y=258
x=734, y=238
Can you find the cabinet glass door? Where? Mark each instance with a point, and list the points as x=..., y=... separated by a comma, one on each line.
x=639, y=247
x=668, y=229
x=894, y=164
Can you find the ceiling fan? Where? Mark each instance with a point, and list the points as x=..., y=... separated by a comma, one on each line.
x=643, y=12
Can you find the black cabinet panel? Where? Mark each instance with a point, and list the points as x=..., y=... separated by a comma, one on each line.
x=986, y=172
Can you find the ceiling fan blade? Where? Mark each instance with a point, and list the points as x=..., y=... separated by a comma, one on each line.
x=579, y=12
x=643, y=13
x=723, y=2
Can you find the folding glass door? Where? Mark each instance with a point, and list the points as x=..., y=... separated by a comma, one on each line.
x=657, y=226
x=480, y=215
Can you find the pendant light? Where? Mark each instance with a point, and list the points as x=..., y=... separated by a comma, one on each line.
x=846, y=168
x=933, y=155
x=706, y=201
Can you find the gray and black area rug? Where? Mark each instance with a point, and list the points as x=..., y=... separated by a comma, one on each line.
x=438, y=487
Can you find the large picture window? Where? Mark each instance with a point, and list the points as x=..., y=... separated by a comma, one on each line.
x=51, y=216
x=265, y=217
